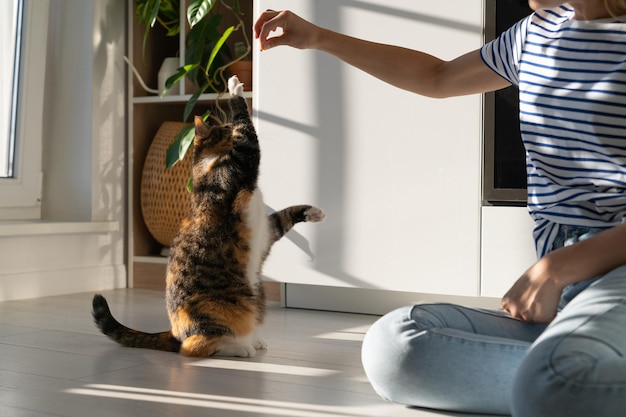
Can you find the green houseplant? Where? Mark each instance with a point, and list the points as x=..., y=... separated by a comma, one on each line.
x=206, y=55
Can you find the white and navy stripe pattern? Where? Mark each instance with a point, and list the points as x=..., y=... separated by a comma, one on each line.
x=572, y=80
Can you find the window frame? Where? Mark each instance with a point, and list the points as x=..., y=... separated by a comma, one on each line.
x=21, y=195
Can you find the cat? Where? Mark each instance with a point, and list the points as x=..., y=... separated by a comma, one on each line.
x=214, y=296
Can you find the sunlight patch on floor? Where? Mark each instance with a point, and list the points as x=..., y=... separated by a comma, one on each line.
x=264, y=367
x=352, y=334
x=221, y=402
x=354, y=337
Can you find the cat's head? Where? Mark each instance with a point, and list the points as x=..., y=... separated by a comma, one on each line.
x=211, y=141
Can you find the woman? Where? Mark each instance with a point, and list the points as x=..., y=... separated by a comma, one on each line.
x=558, y=346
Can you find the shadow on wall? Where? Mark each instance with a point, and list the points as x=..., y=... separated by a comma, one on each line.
x=330, y=130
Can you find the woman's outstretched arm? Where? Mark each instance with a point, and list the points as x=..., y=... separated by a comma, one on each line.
x=404, y=68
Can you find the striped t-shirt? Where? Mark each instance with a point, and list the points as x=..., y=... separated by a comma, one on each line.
x=572, y=80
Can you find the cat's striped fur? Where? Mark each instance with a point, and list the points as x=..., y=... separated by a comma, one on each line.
x=214, y=296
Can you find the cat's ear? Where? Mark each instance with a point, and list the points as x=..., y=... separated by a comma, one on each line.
x=202, y=129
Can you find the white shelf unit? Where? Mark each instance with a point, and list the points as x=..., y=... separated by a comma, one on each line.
x=204, y=98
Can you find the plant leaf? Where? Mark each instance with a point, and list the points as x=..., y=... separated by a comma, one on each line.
x=182, y=141
x=174, y=153
x=154, y=12
x=217, y=47
x=197, y=10
x=196, y=42
x=200, y=41
x=185, y=142
x=166, y=12
x=170, y=11
x=191, y=103
x=180, y=74
x=147, y=12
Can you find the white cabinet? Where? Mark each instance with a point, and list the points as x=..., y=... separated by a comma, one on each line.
x=398, y=174
x=507, y=248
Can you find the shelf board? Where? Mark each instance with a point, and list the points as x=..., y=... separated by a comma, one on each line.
x=42, y=227
x=182, y=98
x=150, y=259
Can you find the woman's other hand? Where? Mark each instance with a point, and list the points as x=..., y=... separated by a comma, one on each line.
x=535, y=295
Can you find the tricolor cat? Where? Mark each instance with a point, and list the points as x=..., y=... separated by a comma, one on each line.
x=214, y=296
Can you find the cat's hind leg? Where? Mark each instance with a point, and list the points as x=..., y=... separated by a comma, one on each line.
x=260, y=344
x=204, y=346
x=235, y=348
x=201, y=346
x=244, y=346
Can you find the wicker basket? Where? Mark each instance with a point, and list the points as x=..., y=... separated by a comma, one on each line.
x=164, y=196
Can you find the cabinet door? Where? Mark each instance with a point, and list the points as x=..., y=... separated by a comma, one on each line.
x=508, y=248
x=397, y=174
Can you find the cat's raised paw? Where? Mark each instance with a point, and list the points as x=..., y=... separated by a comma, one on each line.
x=314, y=214
x=235, y=87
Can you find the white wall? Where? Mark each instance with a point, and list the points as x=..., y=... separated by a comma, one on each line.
x=508, y=248
x=79, y=245
x=398, y=174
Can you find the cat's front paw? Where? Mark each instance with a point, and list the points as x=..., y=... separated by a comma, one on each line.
x=314, y=214
x=235, y=87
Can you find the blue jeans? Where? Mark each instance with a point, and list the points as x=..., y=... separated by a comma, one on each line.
x=454, y=358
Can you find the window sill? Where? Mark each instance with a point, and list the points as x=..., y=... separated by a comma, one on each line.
x=39, y=228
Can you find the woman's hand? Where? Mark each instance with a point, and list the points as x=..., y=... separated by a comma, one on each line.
x=404, y=68
x=296, y=32
x=535, y=295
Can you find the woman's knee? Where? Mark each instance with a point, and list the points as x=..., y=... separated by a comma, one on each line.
x=382, y=354
x=555, y=380
x=422, y=356
x=397, y=352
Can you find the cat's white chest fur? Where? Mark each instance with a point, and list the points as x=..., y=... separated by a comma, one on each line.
x=257, y=221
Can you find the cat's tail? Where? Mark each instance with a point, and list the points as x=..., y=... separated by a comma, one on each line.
x=129, y=337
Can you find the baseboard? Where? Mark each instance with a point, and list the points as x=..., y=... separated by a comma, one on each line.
x=368, y=301
x=63, y=281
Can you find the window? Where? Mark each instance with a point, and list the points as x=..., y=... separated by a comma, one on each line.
x=10, y=30
x=23, y=29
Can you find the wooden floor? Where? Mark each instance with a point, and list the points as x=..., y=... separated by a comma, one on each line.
x=53, y=362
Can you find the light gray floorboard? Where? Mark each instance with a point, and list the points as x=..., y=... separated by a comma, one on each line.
x=54, y=362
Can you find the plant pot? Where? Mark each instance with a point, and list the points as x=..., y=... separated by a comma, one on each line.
x=243, y=71
x=164, y=197
x=168, y=68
